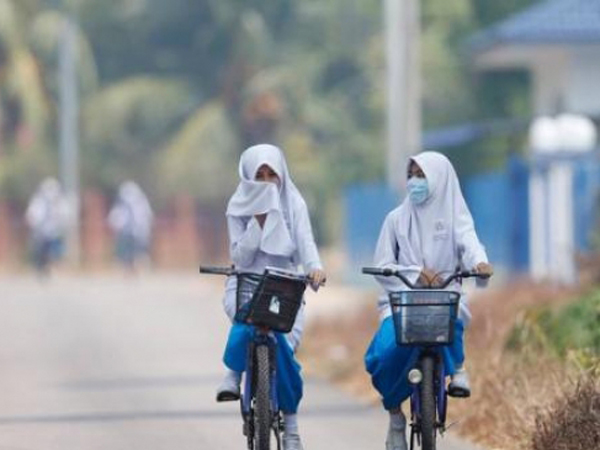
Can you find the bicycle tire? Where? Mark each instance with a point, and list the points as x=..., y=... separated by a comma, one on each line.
x=262, y=405
x=428, y=408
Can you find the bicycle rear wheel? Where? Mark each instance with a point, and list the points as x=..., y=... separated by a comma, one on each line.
x=428, y=429
x=262, y=405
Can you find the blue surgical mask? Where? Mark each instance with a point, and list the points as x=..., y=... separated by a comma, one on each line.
x=418, y=190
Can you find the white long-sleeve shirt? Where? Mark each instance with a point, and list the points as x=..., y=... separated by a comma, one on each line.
x=245, y=237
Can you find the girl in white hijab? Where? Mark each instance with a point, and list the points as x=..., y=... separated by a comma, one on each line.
x=268, y=225
x=131, y=220
x=427, y=237
x=48, y=217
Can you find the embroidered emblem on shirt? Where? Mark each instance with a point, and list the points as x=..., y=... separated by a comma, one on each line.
x=440, y=232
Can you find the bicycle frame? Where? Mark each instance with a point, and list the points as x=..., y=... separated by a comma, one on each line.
x=441, y=396
x=250, y=399
x=434, y=419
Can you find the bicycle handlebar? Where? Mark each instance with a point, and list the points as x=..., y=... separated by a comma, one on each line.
x=229, y=271
x=387, y=272
x=215, y=270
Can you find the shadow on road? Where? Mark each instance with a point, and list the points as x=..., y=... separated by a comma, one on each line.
x=141, y=382
x=107, y=417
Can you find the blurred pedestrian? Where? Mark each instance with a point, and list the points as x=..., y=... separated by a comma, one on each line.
x=131, y=220
x=47, y=218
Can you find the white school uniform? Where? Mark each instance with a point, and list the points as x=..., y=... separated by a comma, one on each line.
x=47, y=214
x=286, y=239
x=132, y=214
x=438, y=234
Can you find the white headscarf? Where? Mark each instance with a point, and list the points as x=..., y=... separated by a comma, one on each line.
x=132, y=213
x=48, y=210
x=256, y=197
x=430, y=233
x=50, y=189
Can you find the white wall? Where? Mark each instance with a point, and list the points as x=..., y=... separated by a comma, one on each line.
x=549, y=71
x=565, y=78
x=583, y=93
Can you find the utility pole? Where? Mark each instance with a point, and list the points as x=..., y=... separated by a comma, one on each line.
x=403, y=31
x=69, y=127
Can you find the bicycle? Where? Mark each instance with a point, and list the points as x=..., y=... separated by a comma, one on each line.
x=425, y=317
x=270, y=302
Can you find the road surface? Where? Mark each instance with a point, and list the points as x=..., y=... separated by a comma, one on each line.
x=110, y=362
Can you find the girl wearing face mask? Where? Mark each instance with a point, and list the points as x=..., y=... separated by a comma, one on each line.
x=427, y=237
x=268, y=225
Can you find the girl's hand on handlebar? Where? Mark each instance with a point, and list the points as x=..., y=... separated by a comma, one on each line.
x=484, y=269
x=428, y=278
x=317, y=278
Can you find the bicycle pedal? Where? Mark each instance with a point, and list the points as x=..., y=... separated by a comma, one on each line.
x=459, y=393
x=227, y=396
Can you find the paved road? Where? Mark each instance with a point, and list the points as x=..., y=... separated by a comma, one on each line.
x=116, y=363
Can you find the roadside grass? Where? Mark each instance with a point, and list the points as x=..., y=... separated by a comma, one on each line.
x=570, y=332
x=572, y=420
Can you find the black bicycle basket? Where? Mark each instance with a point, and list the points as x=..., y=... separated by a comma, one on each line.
x=246, y=286
x=424, y=317
x=271, y=300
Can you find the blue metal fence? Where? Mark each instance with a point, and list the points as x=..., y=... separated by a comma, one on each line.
x=366, y=206
x=499, y=203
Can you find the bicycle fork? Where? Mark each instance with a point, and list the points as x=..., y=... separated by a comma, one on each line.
x=439, y=407
x=248, y=398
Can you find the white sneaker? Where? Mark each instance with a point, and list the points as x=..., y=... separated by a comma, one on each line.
x=229, y=390
x=291, y=441
x=459, y=385
x=396, y=437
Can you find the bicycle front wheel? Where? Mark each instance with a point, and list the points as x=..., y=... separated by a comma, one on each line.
x=428, y=429
x=262, y=406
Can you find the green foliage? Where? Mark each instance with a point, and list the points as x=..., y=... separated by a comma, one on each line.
x=570, y=331
x=174, y=90
x=21, y=172
x=202, y=158
x=44, y=39
x=126, y=125
x=488, y=12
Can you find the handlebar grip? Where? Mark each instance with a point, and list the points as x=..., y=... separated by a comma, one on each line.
x=213, y=270
x=386, y=272
x=467, y=274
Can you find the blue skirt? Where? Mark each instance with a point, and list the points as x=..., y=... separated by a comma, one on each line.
x=289, y=381
x=389, y=363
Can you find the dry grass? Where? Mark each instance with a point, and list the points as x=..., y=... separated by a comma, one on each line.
x=509, y=390
x=572, y=422
x=336, y=351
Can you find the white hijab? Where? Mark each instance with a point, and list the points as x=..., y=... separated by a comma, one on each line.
x=133, y=198
x=429, y=234
x=256, y=197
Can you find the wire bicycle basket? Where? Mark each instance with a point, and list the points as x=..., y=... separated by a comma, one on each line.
x=424, y=317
